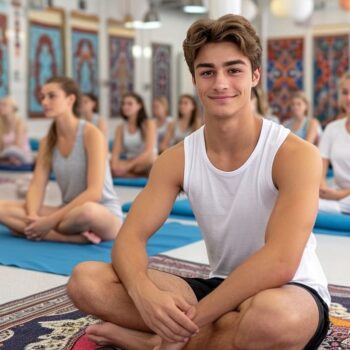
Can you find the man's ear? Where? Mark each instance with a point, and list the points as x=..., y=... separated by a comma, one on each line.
x=256, y=77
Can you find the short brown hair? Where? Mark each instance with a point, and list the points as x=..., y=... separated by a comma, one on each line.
x=228, y=28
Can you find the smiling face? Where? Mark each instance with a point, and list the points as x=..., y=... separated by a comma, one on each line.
x=54, y=100
x=223, y=78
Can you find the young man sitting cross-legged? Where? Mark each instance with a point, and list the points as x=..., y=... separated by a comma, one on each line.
x=253, y=187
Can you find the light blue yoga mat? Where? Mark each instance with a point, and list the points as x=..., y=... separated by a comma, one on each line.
x=131, y=182
x=60, y=258
x=181, y=209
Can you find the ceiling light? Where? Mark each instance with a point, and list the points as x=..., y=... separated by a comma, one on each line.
x=195, y=6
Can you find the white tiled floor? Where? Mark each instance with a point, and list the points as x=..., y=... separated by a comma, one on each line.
x=16, y=283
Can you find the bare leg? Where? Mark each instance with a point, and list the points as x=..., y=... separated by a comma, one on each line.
x=266, y=321
x=91, y=217
x=95, y=288
x=13, y=215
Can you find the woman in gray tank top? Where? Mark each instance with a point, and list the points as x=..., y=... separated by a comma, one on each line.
x=77, y=152
x=135, y=140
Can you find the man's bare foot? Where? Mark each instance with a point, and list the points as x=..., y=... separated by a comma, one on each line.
x=110, y=334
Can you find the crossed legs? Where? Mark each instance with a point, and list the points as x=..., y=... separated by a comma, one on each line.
x=282, y=318
x=87, y=217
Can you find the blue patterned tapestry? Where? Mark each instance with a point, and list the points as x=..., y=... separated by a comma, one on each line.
x=121, y=63
x=46, y=59
x=85, y=60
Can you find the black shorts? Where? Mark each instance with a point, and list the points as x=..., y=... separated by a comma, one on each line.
x=202, y=287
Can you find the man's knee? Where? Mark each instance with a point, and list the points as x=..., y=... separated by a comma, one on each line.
x=266, y=323
x=84, y=276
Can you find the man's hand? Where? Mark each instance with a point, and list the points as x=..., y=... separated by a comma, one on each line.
x=332, y=194
x=38, y=227
x=167, y=314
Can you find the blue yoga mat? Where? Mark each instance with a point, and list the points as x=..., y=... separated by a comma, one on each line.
x=324, y=231
x=181, y=209
x=12, y=167
x=60, y=258
x=131, y=182
x=333, y=222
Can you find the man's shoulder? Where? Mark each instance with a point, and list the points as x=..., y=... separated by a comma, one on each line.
x=295, y=145
x=169, y=166
x=298, y=152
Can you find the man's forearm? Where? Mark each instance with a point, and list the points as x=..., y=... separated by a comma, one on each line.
x=260, y=272
x=130, y=261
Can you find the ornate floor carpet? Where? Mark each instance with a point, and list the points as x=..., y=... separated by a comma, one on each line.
x=48, y=320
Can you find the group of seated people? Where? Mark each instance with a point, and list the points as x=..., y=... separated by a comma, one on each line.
x=72, y=143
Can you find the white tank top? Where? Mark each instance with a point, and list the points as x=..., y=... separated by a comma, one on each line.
x=233, y=208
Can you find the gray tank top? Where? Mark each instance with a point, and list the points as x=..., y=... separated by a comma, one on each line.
x=133, y=144
x=71, y=174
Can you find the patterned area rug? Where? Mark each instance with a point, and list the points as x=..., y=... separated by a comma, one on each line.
x=48, y=320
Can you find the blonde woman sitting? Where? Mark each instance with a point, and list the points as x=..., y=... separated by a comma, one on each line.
x=14, y=143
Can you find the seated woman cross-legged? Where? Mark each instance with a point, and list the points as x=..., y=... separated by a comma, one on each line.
x=14, y=143
x=77, y=153
x=135, y=140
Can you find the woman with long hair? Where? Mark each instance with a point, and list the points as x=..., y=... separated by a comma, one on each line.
x=76, y=152
x=300, y=122
x=135, y=141
x=14, y=143
x=187, y=121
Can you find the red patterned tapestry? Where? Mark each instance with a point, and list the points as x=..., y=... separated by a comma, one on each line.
x=330, y=61
x=285, y=73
